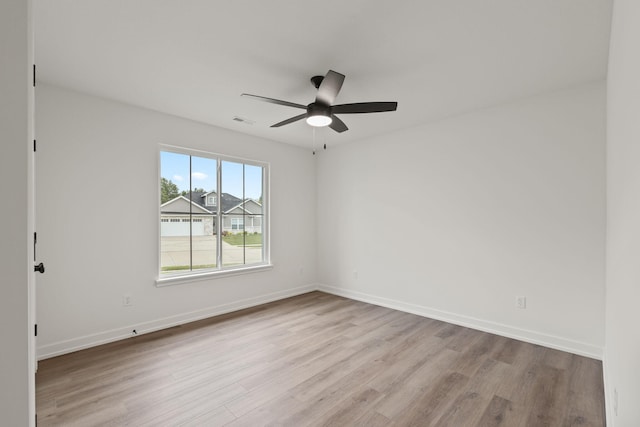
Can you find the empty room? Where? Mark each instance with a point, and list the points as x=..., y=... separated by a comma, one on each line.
x=356, y=213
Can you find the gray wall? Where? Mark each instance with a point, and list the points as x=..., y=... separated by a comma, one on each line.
x=622, y=355
x=511, y=202
x=90, y=145
x=16, y=375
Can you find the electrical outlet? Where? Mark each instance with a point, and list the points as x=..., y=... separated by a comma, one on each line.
x=301, y=270
x=126, y=300
x=355, y=274
x=521, y=302
x=615, y=402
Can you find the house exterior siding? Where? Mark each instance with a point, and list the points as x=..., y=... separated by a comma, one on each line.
x=181, y=217
x=178, y=225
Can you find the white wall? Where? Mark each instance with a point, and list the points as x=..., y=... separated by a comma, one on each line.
x=455, y=219
x=622, y=355
x=96, y=156
x=17, y=395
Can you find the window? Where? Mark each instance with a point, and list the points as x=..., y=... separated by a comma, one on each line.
x=212, y=213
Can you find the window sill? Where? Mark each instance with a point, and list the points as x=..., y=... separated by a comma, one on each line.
x=196, y=277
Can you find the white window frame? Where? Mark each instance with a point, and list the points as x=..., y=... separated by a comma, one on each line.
x=219, y=271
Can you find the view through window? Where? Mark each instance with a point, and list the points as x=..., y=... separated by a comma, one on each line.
x=212, y=213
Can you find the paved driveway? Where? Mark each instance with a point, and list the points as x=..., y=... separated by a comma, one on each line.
x=175, y=252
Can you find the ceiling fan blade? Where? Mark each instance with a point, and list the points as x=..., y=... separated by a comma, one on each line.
x=364, y=107
x=291, y=120
x=337, y=124
x=275, y=101
x=329, y=88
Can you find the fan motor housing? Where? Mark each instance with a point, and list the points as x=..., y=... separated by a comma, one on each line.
x=315, y=109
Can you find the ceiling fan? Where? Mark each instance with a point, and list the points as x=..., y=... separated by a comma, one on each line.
x=322, y=112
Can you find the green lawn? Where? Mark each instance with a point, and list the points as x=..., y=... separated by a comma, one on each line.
x=240, y=239
x=186, y=267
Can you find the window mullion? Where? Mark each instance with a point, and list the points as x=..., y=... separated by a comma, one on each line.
x=190, y=215
x=244, y=217
x=263, y=211
x=219, y=213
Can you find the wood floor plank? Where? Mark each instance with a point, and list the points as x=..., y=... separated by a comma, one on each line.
x=499, y=412
x=372, y=419
x=344, y=374
x=466, y=408
x=318, y=360
x=476, y=352
x=428, y=406
x=274, y=384
x=469, y=407
x=277, y=408
x=411, y=385
x=506, y=350
x=216, y=417
x=311, y=412
x=402, y=364
x=586, y=388
x=547, y=394
x=348, y=411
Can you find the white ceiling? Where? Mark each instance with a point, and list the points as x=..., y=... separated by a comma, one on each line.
x=193, y=58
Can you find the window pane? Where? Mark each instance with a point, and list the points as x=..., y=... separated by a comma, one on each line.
x=203, y=224
x=174, y=213
x=253, y=211
x=232, y=213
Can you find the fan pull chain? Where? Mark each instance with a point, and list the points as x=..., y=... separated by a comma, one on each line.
x=313, y=129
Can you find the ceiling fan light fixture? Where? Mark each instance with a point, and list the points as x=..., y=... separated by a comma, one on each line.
x=318, y=115
x=319, y=120
x=323, y=112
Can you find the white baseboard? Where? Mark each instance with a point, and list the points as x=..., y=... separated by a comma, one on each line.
x=87, y=341
x=533, y=337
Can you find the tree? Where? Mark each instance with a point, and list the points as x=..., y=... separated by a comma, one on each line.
x=168, y=190
x=195, y=190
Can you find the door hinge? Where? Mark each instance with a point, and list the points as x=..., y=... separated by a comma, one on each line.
x=34, y=145
x=34, y=75
x=35, y=240
x=35, y=329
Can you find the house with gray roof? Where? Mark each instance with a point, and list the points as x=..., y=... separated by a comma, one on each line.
x=196, y=213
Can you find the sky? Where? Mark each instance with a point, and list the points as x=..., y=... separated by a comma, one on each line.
x=175, y=167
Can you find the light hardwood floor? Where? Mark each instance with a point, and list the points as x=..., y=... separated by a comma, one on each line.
x=318, y=359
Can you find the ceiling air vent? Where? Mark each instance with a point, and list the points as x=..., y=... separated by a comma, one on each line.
x=243, y=120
